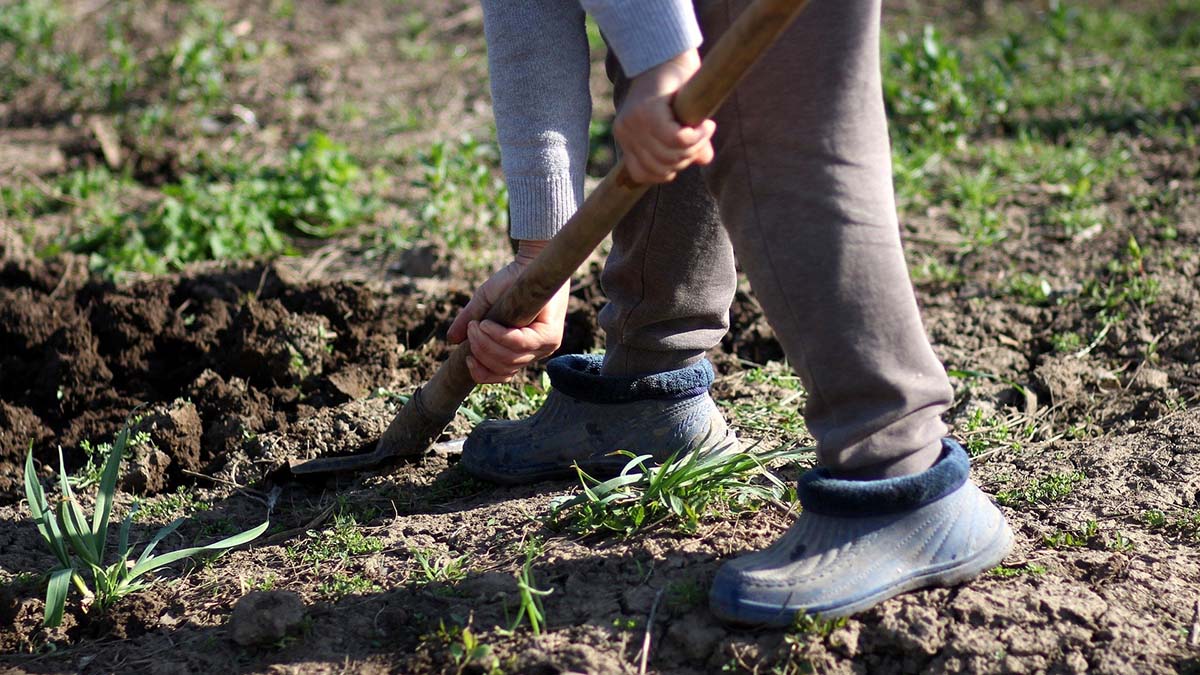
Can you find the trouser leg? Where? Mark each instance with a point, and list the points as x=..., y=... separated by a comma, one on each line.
x=803, y=178
x=669, y=278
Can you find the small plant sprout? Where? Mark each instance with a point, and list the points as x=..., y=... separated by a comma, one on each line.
x=530, y=596
x=80, y=543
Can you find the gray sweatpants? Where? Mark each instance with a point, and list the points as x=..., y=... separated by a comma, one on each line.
x=801, y=190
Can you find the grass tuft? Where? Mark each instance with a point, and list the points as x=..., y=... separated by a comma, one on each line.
x=680, y=492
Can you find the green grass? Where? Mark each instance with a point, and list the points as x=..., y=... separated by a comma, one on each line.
x=1083, y=536
x=679, y=493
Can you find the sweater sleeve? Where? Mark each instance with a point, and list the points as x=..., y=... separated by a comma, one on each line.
x=645, y=33
x=539, y=68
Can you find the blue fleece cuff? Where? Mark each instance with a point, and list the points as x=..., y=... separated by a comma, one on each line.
x=820, y=492
x=578, y=376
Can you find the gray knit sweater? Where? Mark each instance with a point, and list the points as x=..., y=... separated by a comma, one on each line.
x=538, y=58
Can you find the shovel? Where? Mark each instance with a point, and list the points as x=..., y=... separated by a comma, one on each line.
x=433, y=406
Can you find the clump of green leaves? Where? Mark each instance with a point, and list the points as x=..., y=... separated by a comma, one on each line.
x=340, y=542
x=505, y=401
x=1185, y=524
x=341, y=585
x=436, y=568
x=1045, y=490
x=680, y=491
x=27, y=30
x=93, y=468
x=80, y=543
x=315, y=193
x=470, y=654
x=1084, y=536
x=925, y=90
x=466, y=198
x=1126, y=285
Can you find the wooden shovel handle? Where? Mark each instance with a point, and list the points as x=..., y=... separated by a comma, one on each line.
x=424, y=416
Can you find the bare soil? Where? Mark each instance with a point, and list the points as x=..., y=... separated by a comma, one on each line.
x=235, y=369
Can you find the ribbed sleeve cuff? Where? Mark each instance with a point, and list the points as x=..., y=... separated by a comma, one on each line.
x=645, y=33
x=538, y=206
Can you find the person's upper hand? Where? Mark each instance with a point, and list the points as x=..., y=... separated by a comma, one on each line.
x=498, y=352
x=657, y=147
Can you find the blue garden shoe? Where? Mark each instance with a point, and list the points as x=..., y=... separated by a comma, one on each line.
x=588, y=416
x=858, y=543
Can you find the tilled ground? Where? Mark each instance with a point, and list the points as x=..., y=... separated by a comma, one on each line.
x=1092, y=447
x=240, y=369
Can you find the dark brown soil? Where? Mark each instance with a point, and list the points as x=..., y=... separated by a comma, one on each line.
x=235, y=369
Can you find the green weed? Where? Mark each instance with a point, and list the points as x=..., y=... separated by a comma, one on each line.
x=315, y=193
x=1126, y=286
x=1066, y=342
x=341, y=585
x=80, y=542
x=505, y=401
x=1045, y=490
x=1028, y=569
x=930, y=270
x=807, y=624
x=1185, y=524
x=340, y=542
x=678, y=492
x=27, y=30
x=982, y=432
x=183, y=502
x=465, y=202
x=438, y=568
x=468, y=652
x=530, y=596
x=1084, y=536
x=924, y=88
x=97, y=455
x=686, y=594
x=1030, y=289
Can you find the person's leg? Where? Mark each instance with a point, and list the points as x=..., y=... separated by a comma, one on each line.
x=669, y=277
x=803, y=177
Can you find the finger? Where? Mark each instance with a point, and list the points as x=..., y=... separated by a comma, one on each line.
x=482, y=375
x=686, y=137
x=523, y=342
x=636, y=172
x=494, y=356
x=646, y=168
x=650, y=142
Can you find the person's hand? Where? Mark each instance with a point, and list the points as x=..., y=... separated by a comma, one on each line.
x=657, y=147
x=498, y=352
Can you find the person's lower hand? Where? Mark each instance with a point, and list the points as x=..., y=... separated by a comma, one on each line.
x=657, y=147
x=498, y=352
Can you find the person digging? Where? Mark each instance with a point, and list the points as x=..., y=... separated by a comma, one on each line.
x=792, y=178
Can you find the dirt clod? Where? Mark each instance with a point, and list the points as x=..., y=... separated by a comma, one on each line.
x=266, y=617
